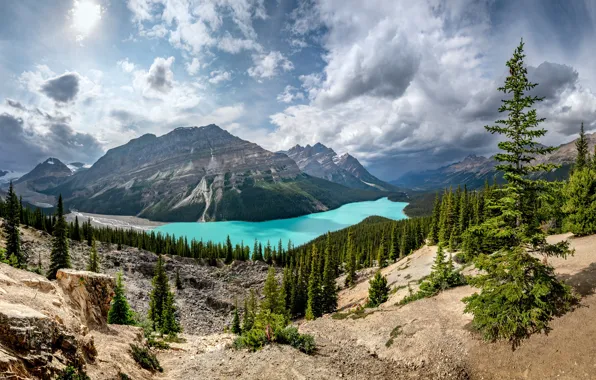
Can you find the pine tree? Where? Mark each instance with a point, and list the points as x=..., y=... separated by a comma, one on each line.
x=580, y=202
x=229, y=251
x=169, y=324
x=378, y=291
x=271, y=294
x=313, y=305
x=76, y=232
x=329, y=291
x=59, y=257
x=11, y=228
x=159, y=295
x=382, y=253
x=350, y=260
x=236, y=321
x=582, y=150
x=519, y=294
x=433, y=236
x=93, y=265
x=250, y=307
x=120, y=312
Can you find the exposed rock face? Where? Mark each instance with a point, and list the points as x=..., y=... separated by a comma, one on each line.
x=321, y=161
x=89, y=294
x=48, y=174
x=29, y=341
x=198, y=174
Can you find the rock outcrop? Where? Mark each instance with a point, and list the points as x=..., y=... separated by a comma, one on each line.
x=46, y=325
x=89, y=294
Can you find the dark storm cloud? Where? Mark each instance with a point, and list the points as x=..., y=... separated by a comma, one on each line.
x=17, y=148
x=63, y=88
x=552, y=79
x=22, y=147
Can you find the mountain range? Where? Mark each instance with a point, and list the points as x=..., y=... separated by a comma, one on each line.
x=322, y=162
x=474, y=170
x=197, y=174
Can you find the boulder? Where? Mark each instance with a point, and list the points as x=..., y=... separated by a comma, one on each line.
x=89, y=295
x=40, y=284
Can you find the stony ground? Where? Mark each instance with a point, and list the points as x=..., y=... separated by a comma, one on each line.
x=426, y=339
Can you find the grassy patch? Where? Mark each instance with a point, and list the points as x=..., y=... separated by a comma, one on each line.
x=355, y=314
x=392, y=335
x=145, y=358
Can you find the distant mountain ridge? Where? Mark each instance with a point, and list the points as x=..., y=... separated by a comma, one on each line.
x=200, y=174
x=474, y=170
x=322, y=162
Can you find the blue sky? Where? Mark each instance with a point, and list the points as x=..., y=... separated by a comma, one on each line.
x=399, y=84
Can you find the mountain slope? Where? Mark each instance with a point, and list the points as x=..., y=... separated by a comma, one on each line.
x=321, y=161
x=47, y=174
x=200, y=174
x=474, y=170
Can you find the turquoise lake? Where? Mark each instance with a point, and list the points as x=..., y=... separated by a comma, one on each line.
x=300, y=230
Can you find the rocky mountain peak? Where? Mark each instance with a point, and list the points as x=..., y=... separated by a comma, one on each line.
x=52, y=167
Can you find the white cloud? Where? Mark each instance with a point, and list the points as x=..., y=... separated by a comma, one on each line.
x=269, y=65
x=218, y=76
x=290, y=94
x=126, y=65
x=196, y=25
x=193, y=67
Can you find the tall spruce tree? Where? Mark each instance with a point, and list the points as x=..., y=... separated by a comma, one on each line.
x=120, y=312
x=581, y=144
x=161, y=304
x=60, y=256
x=314, y=306
x=433, y=236
x=329, y=290
x=271, y=300
x=236, y=329
x=11, y=228
x=350, y=260
x=519, y=295
x=382, y=252
x=93, y=265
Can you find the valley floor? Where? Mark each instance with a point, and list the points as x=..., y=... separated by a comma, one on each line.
x=426, y=339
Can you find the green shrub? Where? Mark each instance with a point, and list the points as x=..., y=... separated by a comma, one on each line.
x=123, y=376
x=378, y=291
x=71, y=373
x=145, y=358
x=253, y=340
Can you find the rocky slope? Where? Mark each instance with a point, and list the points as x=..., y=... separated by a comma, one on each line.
x=474, y=170
x=200, y=174
x=321, y=161
x=45, y=175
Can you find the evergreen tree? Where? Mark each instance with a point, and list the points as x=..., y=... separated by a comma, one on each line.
x=76, y=232
x=59, y=257
x=120, y=312
x=313, y=306
x=433, y=236
x=382, y=253
x=229, y=251
x=236, y=321
x=169, y=324
x=93, y=265
x=271, y=294
x=582, y=150
x=350, y=260
x=519, y=294
x=580, y=202
x=378, y=291
x=161, y=305
x=329, y=291
x=11, y=228
x=250, y=308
